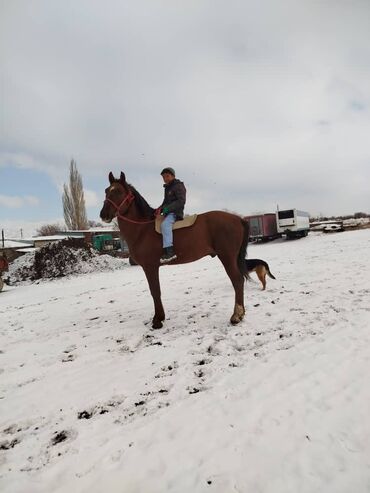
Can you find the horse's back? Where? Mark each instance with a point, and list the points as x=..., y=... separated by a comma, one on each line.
x=215, y=228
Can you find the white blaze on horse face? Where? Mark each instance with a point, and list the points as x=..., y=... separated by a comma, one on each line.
x=112, y=188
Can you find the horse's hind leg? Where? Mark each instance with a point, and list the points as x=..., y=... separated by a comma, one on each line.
x=237, y=279
x=152, y=275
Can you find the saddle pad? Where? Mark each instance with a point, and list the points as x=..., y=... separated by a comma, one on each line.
x=184, y=223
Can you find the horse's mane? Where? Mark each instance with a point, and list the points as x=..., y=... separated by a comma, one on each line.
x=141, y=203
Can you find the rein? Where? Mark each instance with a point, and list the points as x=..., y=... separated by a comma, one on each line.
x=130, y=197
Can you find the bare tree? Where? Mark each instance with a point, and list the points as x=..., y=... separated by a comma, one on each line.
x=358, y=215
x=50, y=229
x=73, y=201
x=94, y=224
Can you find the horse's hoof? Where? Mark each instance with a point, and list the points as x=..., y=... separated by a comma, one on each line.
x=157, y=324
x=238, y=314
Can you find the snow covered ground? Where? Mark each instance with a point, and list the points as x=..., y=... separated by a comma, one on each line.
x=93, y=400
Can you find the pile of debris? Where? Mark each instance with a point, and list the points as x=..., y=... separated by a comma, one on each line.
x=62, y=258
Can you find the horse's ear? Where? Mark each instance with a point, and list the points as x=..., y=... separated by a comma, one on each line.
x=111, y=178
x=122, y=178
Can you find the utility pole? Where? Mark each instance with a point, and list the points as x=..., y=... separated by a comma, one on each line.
x=2, y=238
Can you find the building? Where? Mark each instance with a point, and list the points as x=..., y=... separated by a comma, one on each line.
x=12, y=249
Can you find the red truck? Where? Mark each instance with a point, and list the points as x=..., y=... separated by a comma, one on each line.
x=262, y=227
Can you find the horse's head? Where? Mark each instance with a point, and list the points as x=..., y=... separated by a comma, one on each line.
x=115, y=196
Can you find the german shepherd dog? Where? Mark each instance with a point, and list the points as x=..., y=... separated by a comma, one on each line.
x=260, y=267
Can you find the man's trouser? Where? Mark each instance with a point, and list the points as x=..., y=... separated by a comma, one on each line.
x=166, y=228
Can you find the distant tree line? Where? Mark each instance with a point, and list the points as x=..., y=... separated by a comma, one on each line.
x=57, y=228
x=356, y=215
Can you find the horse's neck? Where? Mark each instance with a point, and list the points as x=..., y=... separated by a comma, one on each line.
x=144, y=206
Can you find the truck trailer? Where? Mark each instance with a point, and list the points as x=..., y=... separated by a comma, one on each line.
x=293, y=223
x=262, y=227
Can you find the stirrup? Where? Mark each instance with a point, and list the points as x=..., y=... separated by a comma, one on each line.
x=165, y=260
x=168, y=255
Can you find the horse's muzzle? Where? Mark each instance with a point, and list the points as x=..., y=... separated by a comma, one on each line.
x=105, y=216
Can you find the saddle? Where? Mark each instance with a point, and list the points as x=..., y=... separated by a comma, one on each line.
x=183, y=223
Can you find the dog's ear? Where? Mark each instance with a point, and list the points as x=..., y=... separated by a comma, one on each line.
x=111, y=178
x=122, y=178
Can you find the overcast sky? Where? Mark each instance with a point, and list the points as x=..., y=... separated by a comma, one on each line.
x=254, y=103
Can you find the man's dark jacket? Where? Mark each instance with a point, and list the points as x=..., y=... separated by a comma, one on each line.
x=175, y=198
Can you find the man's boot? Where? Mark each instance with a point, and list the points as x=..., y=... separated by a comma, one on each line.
x=168, y=255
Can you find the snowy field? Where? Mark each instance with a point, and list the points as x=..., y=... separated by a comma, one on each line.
x=93, y=400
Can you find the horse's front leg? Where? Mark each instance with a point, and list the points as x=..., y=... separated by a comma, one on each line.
x=152, y=275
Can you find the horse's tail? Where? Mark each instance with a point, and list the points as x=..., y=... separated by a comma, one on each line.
x=243, y=249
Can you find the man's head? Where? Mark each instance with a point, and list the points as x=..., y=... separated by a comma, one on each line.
x=168, y=175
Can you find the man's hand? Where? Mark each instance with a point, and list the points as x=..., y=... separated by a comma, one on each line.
x=158, y=211
x=165, y=211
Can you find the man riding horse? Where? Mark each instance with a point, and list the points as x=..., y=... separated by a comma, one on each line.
x=214, y=233
x=172, y=209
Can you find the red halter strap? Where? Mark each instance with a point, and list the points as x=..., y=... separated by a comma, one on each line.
x=130, y=197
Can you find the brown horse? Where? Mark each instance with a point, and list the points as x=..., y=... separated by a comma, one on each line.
x=213, y=233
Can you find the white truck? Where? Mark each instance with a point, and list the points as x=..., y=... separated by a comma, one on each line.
x=293, y=223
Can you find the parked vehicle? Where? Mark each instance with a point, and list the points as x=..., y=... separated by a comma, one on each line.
x=293, y=223
x=329, y=226
x=262, y=227
x=106, y=243
x=3, y=268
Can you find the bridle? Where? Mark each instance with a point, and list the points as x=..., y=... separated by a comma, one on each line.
x=130, y=197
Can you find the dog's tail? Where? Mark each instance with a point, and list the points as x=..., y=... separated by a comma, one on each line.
x=243, y=250
x=268, y=272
